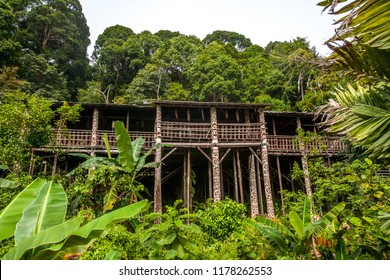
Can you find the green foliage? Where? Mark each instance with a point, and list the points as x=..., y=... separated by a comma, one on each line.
x=172, y=236
x=366, y=196
x=297, y=239
x=221, y=219
x=37, y=214
x=106, y=181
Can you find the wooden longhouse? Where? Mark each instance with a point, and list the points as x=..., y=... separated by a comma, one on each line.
x=213, y=150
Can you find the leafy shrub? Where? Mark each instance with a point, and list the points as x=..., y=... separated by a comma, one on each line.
x=219, y=220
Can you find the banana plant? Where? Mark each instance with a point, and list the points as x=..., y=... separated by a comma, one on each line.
x=299, y=236
x=131, y=160
x=36, y=220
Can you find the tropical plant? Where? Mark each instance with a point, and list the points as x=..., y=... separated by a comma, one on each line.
x=170, y=237
x=361, y=49
x=298, y=239
x=131, y=159
x=36, y=220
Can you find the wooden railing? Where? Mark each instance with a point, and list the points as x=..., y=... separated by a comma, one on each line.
x=185, y=132
x=241, y=132
x=173, y=132
x=289, y=144
x=75, y=138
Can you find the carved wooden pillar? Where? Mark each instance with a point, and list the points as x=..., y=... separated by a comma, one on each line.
x=264, y=160
x=305, y=165
x=95, y=127
x=157, y=170
x=215, y=155
x=252, y=187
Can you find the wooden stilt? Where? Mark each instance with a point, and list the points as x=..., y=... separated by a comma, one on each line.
x=215, y=155
x=304, y=158
x=54, y=165
x=239, y=173
x=128, y=120
x=235, y=178
x=31, y=168
x=252, y=186
x=157, y=170
x=280, y=183
x=95, y=127
x=259, y=188
x=210, y=173
x=264, y=160
x=189, y=182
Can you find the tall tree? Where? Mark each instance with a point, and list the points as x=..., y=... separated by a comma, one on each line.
x=237, y=40
x=215, y=75
x=56, y=29
x=10, y=49
x=113, y=32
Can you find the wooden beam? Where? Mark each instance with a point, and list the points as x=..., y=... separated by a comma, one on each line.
x=255, y=154
x=168, y=154
x=204, y=153
x=224, y=155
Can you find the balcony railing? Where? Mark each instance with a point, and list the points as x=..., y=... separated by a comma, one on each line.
x=82, y=139
x=289, y=144
x=173, y=132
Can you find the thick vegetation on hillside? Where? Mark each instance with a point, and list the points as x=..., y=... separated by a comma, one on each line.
x=101, y=211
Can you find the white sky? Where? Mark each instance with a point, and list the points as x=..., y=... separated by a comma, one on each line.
x=261, y=21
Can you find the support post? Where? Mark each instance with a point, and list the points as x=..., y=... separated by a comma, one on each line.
x=259, y=188
x=239, y=173
x=252, y=187
x=215, y=155
x=54, y=165
x=235, y=178
x=128, y=120
x=157, y=170
x=280, y=182
x=95, y=127
x=264, y=160
x=31, y=168
x=304, y=158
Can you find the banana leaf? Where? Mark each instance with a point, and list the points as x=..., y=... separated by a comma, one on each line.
x=49, y=236
x=70, y=237
x=297, y=224
x=125, y=148
x=46, y=210
x=12, y=213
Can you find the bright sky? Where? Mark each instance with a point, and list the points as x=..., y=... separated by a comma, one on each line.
x=261, y=21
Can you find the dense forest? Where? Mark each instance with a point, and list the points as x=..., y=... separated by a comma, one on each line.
x=44, y=52
x=97, y=211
